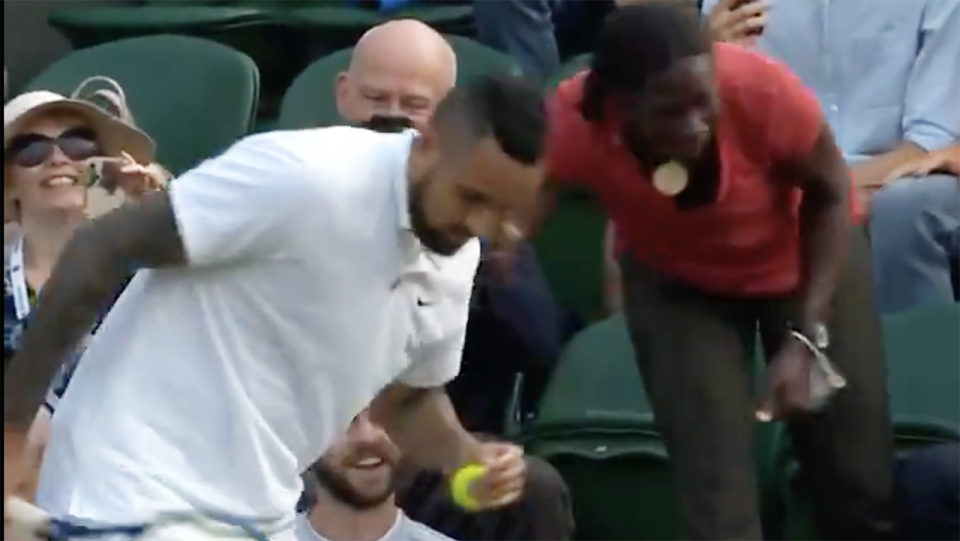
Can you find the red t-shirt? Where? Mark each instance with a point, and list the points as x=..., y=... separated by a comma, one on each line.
x=745, y=243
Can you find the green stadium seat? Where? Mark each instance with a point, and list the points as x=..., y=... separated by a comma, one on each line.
x=311, y=99
x=248, y=26
x=474, y=59
x=923, y=360
x=194, y=97
x=330, y=25
x=923, y=357
x=596, y=383
x=569, y=246
x=570, y=68
x=596, y=427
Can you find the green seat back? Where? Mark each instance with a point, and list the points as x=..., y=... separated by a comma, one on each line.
x=474, y=59
x=337, y=17
x=923, y=360
x=324, y=26
x=596, y=383
x=311, y=99
x=569, y=247
x=250, y=26
x=595, y=426
x=158, y=17
x=194, y=97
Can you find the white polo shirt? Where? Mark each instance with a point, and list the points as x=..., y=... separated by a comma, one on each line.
x=404, y=529
x=213, y=386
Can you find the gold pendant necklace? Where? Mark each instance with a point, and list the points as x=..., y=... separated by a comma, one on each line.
x=670, y=178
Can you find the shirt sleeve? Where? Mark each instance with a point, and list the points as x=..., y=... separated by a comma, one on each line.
x=241, y=204
x=437, y=363
x=931, y=117
x=565, y=137
x=793, y=115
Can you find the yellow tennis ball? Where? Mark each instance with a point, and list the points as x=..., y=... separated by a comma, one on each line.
x=461, y=482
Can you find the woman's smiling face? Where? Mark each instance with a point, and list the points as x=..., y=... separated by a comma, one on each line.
x=44, y=164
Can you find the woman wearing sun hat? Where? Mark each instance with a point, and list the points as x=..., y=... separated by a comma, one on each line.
x=55, y=147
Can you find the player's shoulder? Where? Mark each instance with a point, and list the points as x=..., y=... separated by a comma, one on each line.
x=411, y=530
x=336, y=161
x=322, y=147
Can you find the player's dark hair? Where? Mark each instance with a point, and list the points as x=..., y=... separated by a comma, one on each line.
x=508, y=108
x=639, y=41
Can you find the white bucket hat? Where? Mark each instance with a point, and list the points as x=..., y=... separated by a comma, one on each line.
x=114, y=135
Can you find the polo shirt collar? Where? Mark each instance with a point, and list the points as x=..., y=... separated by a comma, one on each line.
x=401, y=183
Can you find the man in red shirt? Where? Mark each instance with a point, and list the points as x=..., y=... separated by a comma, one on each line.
x=732, y=208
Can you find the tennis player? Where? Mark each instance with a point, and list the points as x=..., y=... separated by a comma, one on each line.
x=732, y=210
x=282, y=287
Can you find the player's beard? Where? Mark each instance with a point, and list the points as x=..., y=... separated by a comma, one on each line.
x=434, y=239
x=338, y=486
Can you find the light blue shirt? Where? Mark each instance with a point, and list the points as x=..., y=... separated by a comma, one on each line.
x=884, y=71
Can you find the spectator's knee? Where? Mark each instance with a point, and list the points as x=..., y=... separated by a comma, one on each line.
x=944, y=460
x=548, y=499
x=914, y=206
x=910, y=197
x=544, y=480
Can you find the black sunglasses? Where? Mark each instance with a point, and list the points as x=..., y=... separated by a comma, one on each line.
x=32, y=149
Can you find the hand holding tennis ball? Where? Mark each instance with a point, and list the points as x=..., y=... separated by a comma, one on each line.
x=495, y=480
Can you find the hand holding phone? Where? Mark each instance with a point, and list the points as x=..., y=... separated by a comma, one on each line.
x=738, y=21
x=124, y=174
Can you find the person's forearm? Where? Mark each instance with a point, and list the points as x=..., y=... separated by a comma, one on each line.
x=424, y=425
x=83, y=283
x=949, y=159
x=870, y=174
x=824, y=228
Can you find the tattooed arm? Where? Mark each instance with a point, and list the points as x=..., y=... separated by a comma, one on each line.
x=235, y=207
x=93, y=266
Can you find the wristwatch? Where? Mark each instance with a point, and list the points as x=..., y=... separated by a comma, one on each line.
x=817, y=344
x=817, y=334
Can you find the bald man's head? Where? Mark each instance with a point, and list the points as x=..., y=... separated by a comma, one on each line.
x=401, y=68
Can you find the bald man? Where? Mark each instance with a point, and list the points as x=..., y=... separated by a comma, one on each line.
x=399, y=71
